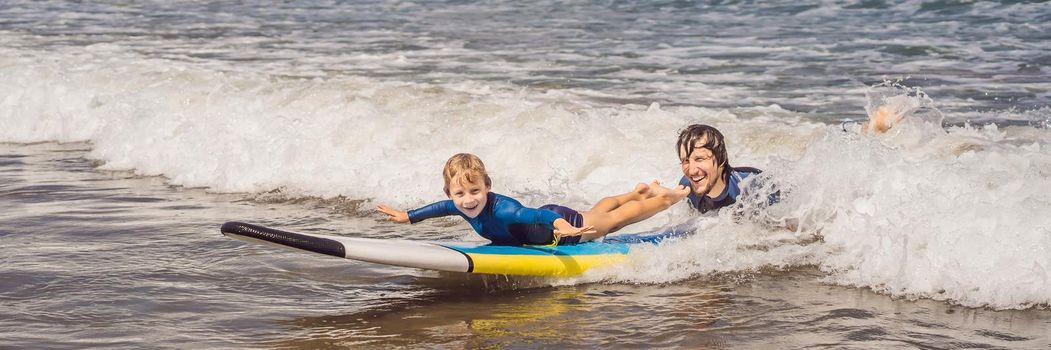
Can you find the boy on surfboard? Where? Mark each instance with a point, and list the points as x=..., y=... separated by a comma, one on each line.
x=505, y=221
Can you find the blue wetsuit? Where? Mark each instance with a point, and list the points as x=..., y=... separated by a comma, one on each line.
x=503, y=220
x=703, y=203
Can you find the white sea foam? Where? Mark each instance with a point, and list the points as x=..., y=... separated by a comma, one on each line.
x=957, y=213
x=951, y=214
x=358, y=137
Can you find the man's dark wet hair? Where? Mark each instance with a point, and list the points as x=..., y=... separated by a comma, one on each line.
x=692, y=135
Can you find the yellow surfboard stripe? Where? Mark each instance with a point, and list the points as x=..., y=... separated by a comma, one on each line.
x=541, y=265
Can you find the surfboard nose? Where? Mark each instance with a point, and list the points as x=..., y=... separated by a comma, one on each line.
x=256, y=234
x=231, y=227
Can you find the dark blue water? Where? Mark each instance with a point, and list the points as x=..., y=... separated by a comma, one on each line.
x=980, y=60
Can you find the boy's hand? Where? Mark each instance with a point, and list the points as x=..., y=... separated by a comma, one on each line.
x=574, y=231
x=564, y=228
x=395, y=215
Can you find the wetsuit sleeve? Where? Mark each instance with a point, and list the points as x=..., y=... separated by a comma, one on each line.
x=512, y=212
x=774, y=196
x=684, y=181
x=433, y=210
x=756, y=187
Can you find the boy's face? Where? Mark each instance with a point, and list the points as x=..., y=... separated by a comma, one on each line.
x=469, y=197
x=700, y=169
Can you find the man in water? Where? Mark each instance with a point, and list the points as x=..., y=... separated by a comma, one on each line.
x=713, y=183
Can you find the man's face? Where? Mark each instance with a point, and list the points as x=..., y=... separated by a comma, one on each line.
x=700, y=168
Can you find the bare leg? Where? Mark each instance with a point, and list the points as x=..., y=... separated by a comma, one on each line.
x=661, y=198
x=676, y=194
x=632, y=211
x=608, y=204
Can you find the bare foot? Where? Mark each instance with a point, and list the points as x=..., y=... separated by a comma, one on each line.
x=642, y=189
x=881, y=120
x=671, y=194
x=651, y=189
x=679, y=192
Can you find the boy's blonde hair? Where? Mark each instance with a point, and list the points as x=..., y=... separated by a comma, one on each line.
x=463, y=168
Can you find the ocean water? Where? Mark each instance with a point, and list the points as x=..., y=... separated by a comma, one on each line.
x=129, y=131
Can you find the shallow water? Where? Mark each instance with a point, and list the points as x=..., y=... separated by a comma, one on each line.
x=131, y=131
x=110, y=259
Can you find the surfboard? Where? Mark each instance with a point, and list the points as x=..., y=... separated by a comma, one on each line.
x=468, y=257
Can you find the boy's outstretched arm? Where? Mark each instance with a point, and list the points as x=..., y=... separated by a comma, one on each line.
x=394, y=215
x=433, y=210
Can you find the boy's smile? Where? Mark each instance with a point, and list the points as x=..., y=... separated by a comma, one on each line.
x=469, y=197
